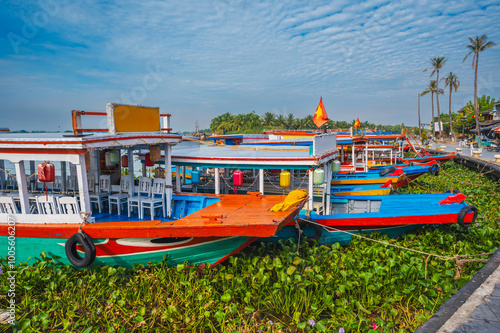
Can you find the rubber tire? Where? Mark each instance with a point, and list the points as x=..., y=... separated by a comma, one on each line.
x=387, y=171
x=318, y=231
x=463, y=212
x=434, y=170
x=88, y=247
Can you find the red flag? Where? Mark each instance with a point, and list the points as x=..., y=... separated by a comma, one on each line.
x=320, y=116
x=357, y=123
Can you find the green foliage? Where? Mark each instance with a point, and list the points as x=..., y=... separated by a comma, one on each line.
x=484, y=103
x=252, y=123
x=271, y=287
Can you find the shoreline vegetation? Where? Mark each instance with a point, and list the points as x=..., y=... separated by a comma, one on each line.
x=366, y=286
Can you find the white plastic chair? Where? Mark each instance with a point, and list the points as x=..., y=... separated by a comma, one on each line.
x=7, y=205
x=157, y=199
x=68, y=205
x=121, y=197
x=57, y=184
x=144, y=193
x=10, y=183
x=72, y=185
x=46, y=204
x=102, y=194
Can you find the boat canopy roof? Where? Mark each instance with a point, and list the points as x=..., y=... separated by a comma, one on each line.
x=196, y=154
x=64, y=147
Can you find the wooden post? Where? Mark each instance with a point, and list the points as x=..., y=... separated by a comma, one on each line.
x=32, y=181
x=217, y=181
x=328, y=187
x=168, y=178
x=310, y=202
x=177, y=179
x=261, y=181
x=63, y=176
x=130, y=156
x=183, y=175
x=83, y=185
x=22, y=186
x=2, y=175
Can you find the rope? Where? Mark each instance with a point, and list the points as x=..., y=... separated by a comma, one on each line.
x=459, y=258
x=84, y=216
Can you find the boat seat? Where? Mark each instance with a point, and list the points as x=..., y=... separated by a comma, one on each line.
x=46, y=204
x=156, y=200
x=144, y=193
x=7, y=205
x=119, y=199
x=68, y=205
x=102, y=194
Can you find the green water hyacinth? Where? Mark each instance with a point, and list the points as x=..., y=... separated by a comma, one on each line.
x=270, y=287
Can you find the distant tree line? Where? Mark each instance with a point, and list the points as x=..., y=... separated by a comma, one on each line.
x=228, y=123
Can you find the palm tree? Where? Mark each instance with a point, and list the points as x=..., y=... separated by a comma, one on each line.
x=452, y=81
x=269, y=119
x=437, y=63
x=432, y=88
x=477, y=45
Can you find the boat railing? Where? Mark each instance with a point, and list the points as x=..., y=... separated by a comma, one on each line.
x=76, y=119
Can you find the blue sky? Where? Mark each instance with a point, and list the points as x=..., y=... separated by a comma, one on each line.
x=199, y=59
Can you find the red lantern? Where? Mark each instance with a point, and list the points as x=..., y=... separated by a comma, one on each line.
x=147, y=161
x=46, y=172
x=125, y=161
x=238, y=178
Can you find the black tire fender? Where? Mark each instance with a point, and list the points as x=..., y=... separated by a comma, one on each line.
x=318, y=230
x=435, y=169
x=88, y=247
x=463, y=212
x=387, y=171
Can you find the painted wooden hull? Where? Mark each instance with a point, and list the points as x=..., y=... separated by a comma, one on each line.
x=204, y=229
x=397, y=215
x=364, y=178
x=126, y=252
x=429, y=158
x=329, y=238
x=394, y=210
x=366, y=189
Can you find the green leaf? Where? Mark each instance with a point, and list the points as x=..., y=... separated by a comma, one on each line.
x=290, y=270
x=225, y=298
x=320, y=326
x=138, y=319
x=301, y=326
x=219, y=316
x=24, y=323
x=142, y=311
x=88, y=330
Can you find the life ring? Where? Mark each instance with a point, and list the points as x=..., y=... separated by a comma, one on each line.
x=88, y=247
x=387, y=171
x=434, y=170
x=463, y=212
x=317, y=230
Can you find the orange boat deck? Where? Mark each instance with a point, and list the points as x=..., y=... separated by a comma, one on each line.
x=234, y=215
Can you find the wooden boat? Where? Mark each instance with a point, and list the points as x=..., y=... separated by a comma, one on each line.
x=365, y=189
x=423, y=159
x=367, y=178
x=389, y=214
x=179, y=228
